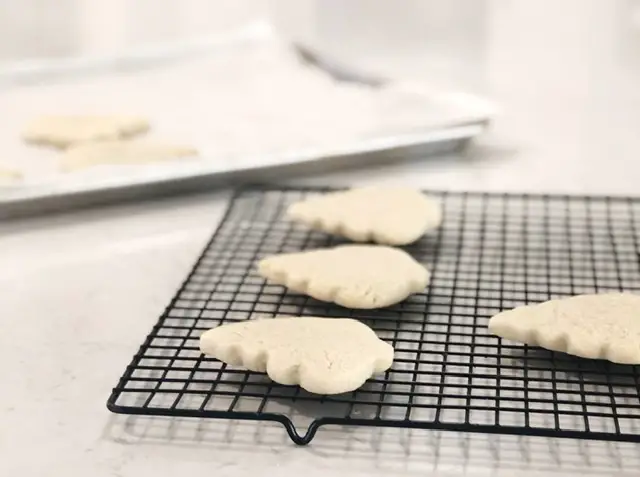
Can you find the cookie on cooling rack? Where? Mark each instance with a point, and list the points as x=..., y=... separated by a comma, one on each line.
x=604, y=326
x=322, y=355
x=354, y=276
x=385, y=215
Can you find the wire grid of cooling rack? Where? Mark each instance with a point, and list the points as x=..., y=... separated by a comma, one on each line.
x=493, y=252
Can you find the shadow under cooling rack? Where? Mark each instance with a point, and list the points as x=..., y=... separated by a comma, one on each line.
x=493, y=252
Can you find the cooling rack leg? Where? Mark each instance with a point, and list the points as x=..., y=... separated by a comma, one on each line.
x=297, y=438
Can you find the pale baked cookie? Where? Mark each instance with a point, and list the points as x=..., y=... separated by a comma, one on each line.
x=66, y=130
x=8, y=175
x=121, y=152
x=322, y=355
x=354, y=276
x=386, y=215
x=605, y=326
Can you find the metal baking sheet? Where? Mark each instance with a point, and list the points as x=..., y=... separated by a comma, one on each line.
x=165, y=179
x=44, y=188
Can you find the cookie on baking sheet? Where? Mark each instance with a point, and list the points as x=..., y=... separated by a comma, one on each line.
x=354, y=276
x=322, y=355
x=62, y=131
x=121, y=152
x=9, y=175
x=385, y=215
x=604, y=326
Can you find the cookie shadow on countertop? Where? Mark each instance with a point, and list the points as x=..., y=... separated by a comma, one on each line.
x=553, y=365
x=254, y=393
x=303, y=407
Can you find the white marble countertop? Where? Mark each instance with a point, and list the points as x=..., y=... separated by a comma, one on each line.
x=78, y=292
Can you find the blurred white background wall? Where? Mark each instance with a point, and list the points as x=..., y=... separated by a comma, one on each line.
x=444, y=40
x=462, y=44
x=46, y=28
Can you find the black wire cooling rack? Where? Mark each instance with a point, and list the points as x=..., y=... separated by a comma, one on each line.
x=493, y=252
